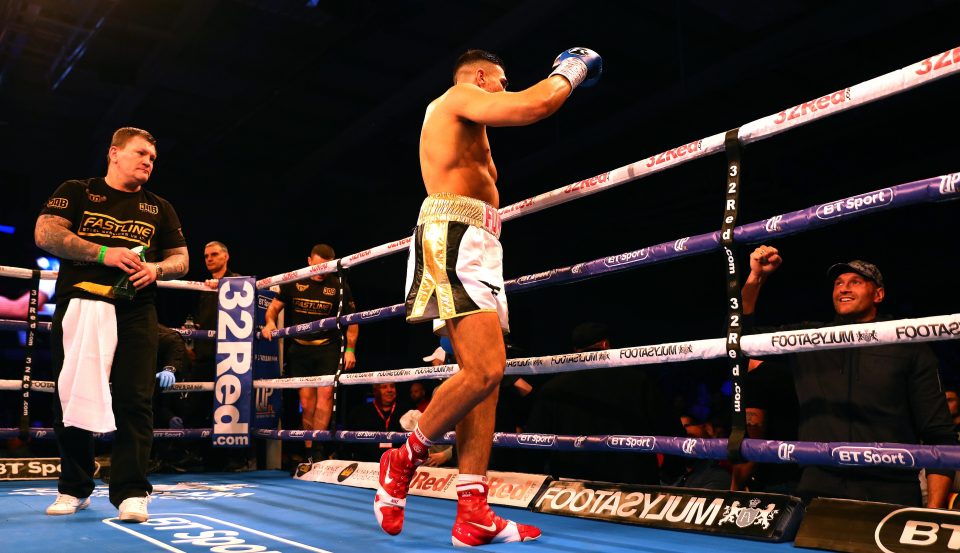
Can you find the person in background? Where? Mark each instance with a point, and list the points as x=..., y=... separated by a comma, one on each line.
x=316, y=354
x=381, y=415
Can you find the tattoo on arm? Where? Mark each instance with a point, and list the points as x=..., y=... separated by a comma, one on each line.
x=175, y=263
x=53, y=234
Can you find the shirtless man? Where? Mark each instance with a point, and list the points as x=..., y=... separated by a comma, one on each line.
x=455, y=277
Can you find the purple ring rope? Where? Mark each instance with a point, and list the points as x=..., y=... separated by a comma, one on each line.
x=837, y=454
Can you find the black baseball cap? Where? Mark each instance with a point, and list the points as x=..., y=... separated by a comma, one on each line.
x=863, y=268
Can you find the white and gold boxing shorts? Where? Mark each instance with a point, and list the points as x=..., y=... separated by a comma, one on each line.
x=455, y=267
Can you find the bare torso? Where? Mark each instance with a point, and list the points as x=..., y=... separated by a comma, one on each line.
x=455, y=155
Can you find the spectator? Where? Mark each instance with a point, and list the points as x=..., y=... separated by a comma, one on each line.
x=953, y=404
x=418, y=396
x=887, y=393
x=380, y=415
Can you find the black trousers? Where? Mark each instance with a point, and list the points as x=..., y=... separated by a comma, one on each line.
x=133, y=378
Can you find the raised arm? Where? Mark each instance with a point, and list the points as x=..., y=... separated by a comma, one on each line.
x=508, y=109
x=764, y=261
x=572, y=68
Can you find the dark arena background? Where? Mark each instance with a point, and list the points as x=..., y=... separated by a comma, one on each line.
x=284, y=123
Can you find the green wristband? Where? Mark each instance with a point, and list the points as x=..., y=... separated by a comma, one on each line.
x=351, y=350
x=103, y=252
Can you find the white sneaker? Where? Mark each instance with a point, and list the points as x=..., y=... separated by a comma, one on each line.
x=134, y=509
x=67, y=505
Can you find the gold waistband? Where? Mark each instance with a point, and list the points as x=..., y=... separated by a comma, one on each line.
x=444, y=207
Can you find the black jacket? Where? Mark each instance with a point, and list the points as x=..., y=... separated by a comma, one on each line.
x=887, y=393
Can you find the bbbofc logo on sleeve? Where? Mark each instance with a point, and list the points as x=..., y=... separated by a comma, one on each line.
x=58, y=203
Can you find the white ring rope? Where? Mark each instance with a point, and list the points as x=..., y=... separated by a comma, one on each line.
x=47, y=386
x=900, y=331
x=926, y=329
x=19, y=272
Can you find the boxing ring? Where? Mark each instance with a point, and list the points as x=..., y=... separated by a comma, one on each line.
x=267, y=510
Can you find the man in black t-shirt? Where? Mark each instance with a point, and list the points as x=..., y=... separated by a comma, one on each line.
x=115, y=240
x=316, y=354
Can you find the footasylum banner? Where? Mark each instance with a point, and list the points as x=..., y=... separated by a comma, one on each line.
x=761, y=516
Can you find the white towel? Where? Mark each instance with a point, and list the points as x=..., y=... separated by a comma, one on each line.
x=89, y=342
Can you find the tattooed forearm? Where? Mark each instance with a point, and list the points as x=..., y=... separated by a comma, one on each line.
x=175, y=264
x=53, y=234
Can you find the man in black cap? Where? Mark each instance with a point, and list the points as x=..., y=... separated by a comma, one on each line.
x=886, y=393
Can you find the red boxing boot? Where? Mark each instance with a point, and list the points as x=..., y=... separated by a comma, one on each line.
x=396, y=468
x=477, y=524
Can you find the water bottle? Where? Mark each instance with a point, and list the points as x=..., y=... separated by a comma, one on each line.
x=189, y=325
x=123, y=288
